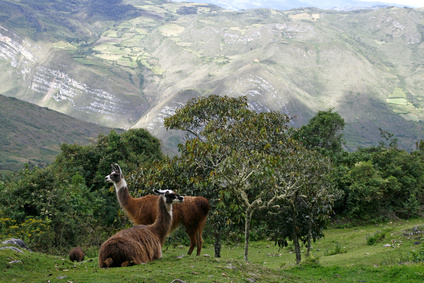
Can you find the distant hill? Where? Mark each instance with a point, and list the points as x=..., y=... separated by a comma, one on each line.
x=33, y=134
x=130, y=64
x=295, y=4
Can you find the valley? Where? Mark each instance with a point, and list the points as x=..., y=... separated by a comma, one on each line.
x=133, y=67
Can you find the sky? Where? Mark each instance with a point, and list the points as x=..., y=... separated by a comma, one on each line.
x=415, y=3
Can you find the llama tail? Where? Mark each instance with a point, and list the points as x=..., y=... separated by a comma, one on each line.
x=203, y=204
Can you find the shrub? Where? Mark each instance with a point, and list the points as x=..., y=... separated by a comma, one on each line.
x=376, y=237
x=336, y=250
x=312, y=261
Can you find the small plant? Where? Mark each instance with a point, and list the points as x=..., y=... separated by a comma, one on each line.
x=312, y=261
x=396, y=259
x=419, y=255
x=336, y=250
x=376, y=237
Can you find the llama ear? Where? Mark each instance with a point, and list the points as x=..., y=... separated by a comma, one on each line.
x=161, y=192
x=116, y=168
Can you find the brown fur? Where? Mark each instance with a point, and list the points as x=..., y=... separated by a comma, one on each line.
x=138, y=244
x=76, y=254
x=191, y=213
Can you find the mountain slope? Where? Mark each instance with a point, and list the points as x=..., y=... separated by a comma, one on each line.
x=135, y=67
x=295, y=4
x=29, y=133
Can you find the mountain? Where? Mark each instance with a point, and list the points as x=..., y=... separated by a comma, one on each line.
x=126, y=64
x=295, y=4
x=33, y=134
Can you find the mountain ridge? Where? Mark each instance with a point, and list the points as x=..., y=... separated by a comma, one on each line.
x=343, y=5
x=135, y=68
x=32, y=134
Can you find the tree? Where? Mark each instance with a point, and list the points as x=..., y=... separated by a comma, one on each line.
x=200, y=118
x=241, y=150
x=324, y=131
x=132, y=148
x=379, y=183
x=234, y=145
x=306, y=195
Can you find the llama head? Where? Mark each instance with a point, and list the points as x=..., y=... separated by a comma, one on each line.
x=116, y=176
x=170, y=196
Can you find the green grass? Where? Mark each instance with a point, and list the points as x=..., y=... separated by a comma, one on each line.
x=359, y=262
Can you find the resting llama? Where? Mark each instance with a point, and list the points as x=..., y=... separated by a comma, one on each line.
x=141, y=243
x=191, y=213
x=76, y=254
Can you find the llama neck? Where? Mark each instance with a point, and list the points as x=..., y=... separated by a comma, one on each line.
x=122, y=194
x=163, y=221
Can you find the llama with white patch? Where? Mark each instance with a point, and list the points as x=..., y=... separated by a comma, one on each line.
x=141, y=243
x=191, y=213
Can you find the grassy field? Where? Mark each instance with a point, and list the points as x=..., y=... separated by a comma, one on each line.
x=345, y=255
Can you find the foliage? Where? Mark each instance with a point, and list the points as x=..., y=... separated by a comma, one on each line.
x=131, y=149
x=303, y=178
x=337, y=249
x=380, y=183
x=48, y=211
x=323, y=132
x=376, y=237
x=65, y=204
x=36, y=232
x=239, y=148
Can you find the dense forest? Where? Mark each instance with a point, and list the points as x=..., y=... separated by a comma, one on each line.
x=262, y=177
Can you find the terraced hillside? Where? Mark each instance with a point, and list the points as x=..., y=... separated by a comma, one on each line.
x=135, y=66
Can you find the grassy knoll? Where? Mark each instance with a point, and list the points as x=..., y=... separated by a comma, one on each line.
x=345, y=255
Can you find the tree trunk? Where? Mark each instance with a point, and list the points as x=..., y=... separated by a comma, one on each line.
x=217, y=244
x=295, y=237
x=309, y=234
x=247, y=232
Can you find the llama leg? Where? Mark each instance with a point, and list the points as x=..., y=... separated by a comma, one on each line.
x=193, y=241
x=108, y=262
x=125, y=263
x=199, y=242
x=199, y=236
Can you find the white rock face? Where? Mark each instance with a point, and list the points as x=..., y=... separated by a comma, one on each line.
x=58, y=90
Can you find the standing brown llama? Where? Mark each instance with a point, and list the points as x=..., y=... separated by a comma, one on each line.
x=140, y=243
x=191, y=213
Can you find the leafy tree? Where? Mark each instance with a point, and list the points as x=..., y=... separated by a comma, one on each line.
x=380, y=182
x=306, y=195
x=197, y=113
x=236, y=146
x=387, y=137
x=324, y=131
x=199, y=118
x=131, y=149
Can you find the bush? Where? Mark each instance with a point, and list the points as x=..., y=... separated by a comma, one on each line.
x=377, y=237
x=312, y=261
x=336, y=250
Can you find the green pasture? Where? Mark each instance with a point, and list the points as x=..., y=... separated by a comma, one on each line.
x=356, y=254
